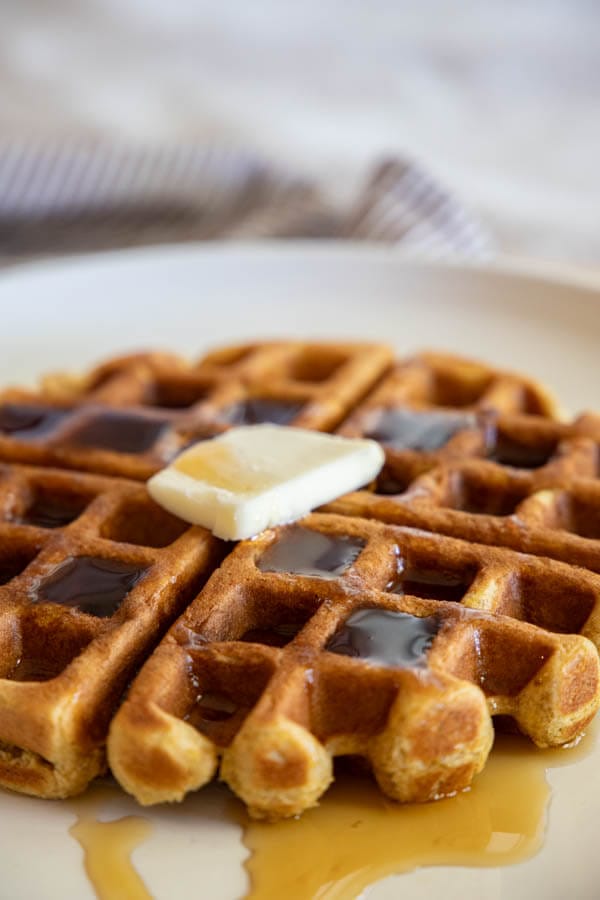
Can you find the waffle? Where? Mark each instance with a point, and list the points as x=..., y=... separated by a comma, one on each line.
x=433, y=380
x=92, y=572
x=537, y=489
x=265, y=677
x=128, y=417
x=343, y=636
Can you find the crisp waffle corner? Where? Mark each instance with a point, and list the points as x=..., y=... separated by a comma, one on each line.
x=402, y=623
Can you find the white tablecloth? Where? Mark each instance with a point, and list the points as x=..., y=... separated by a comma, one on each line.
x=500, y=100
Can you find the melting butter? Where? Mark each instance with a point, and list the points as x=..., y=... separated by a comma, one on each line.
x=257, y=476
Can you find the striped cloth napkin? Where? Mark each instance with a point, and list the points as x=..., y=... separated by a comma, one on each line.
x=72, y=198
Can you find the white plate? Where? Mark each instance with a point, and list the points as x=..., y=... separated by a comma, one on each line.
x=69, y=313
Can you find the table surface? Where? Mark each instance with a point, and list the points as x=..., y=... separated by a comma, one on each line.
x=499, y=100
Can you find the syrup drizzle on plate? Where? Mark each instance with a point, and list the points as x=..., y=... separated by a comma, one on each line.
x=107, y=847
x=357, y=837
x=499, y=821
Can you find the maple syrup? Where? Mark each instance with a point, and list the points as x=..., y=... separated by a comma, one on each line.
x=27, y=422
x=301, y=551
x=176, y=393
x=385, y=637
x=107, y=850
x=388, y=485
x=430, y=584
x=93, y=585
x=219, y=466
x=54, y=512
x=356, y=836
x=261, y=410
x=120, y=432
x=509, y=452
x=407, y=429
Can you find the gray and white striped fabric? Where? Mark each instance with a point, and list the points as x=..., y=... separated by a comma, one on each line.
x=76, y=197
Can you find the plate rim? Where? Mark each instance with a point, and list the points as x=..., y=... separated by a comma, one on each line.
x=538, y=271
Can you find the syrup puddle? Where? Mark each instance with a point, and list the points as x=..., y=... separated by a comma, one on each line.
x=108, y=846
x=356, y=837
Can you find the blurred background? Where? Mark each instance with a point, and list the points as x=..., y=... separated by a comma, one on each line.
x=497, y=103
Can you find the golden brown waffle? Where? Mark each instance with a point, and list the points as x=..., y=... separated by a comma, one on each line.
x=91, y=574
x=435, y=407
x=342, y=636
x=430, y=380
x=131, y=415
x=537, y=492
x=255, y=676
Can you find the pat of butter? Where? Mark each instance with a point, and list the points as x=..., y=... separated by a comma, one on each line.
x=253, y=477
